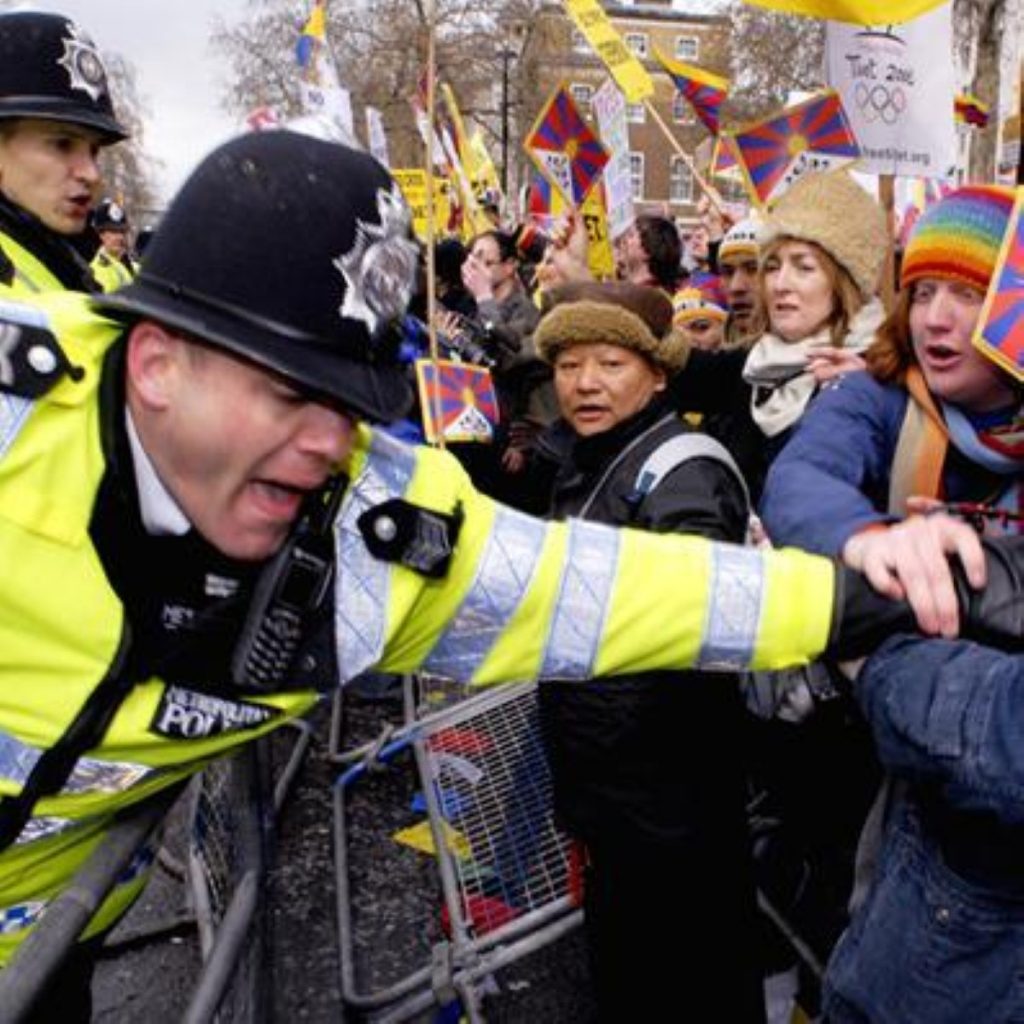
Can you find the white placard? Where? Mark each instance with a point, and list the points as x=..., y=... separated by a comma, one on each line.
x=610, y=111
x=897, y=86
x=376, y=137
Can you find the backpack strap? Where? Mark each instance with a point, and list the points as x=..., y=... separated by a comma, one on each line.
x=673, y=453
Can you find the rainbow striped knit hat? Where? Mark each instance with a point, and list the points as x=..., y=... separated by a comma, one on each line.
x=958, y=238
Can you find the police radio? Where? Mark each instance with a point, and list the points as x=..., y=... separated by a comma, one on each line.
x=288, y=597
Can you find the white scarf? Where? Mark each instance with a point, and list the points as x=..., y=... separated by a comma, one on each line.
x=777, y=370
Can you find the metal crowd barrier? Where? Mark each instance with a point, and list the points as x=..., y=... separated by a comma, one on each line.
x=23, y=980
x=508, y=877
x=233, y=806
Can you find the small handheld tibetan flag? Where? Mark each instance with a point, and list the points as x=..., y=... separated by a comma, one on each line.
x=311, y=39
x=814, y=135
x=565, y=149
x=462, y=395
x=970, y=110
x=1000, y=330
x=704, y=90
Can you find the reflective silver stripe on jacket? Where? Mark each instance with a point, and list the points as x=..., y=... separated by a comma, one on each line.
x=14, y=409
x=503, y=575
x=591, y=561
x=17, y=760
x=43, y=828
x=23, y=915
x=736, y=592
x=362, y=582
x=13, y=413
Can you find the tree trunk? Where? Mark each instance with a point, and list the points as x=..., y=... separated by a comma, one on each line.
x=984, y=21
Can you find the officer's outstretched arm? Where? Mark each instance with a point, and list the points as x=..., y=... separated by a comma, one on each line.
x=522, y=598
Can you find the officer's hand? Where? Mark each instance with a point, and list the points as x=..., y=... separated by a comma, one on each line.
x=909, y=561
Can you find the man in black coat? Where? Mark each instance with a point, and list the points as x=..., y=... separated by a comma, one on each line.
x=648, y=769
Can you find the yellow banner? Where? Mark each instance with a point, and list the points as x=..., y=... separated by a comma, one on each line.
x=630, y=75
x=595, y=218
x=413, y=183
x=485, y=174
x=599, y=251
x=858, y=12
x=475, y=220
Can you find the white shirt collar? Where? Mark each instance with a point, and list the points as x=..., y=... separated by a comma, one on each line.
x=161, y=514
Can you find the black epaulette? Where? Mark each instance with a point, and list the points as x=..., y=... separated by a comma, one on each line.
x=418, y=538
x=31, y=359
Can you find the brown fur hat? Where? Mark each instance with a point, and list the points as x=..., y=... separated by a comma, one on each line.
x=634, y=316
x=833, y=211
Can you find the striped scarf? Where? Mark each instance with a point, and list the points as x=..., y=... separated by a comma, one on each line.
x=924, y=441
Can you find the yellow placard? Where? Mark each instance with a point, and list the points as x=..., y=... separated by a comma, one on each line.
x=630, y=75
x=599, y=250
x=413, y=183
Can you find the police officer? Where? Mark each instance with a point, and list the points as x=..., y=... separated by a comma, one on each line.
x=112, y=266
x=182, y=463
x=55, y=115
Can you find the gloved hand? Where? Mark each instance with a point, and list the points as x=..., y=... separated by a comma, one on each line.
x=993, y=616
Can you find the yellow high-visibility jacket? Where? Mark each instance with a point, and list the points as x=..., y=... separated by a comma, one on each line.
x=522, y=598
x=31, y=275
x=111, y=273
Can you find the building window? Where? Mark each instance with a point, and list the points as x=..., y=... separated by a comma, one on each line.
x=680, y=181
x=581, y=94
x=636, y=174
x=637, y=43
x=579, y=41
x=687, y=47
x=682, y=110
x=636, y=113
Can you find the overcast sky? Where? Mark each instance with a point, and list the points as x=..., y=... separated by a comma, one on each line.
x=168, y=43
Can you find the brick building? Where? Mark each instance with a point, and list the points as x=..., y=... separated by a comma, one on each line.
x=661, y=179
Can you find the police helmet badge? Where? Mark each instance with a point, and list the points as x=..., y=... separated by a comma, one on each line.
x=82, y=62
x=380, y=268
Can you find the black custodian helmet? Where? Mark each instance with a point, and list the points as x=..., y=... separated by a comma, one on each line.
x=109, y=215
x=50, y=69
x=292, y=252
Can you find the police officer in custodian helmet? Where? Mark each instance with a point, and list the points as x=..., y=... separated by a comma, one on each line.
x=190, y=461
x=55, y=116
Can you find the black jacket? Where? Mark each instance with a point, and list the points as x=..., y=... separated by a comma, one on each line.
x=653, y=757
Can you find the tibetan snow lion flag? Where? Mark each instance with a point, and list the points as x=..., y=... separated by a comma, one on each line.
x=814, y=135
x=1000, y=330
x=705, y=91
x=857, y=12
x=462, y=395
x=565, y=149
x=723, y=158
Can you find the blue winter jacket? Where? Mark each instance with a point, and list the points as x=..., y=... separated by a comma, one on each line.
x=832, y=478
x=940, y=936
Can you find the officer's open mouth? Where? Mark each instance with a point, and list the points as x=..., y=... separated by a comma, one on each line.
x=278, y=499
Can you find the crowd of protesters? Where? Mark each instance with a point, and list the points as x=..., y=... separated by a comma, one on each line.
x=744, y=384
x=750, y=374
